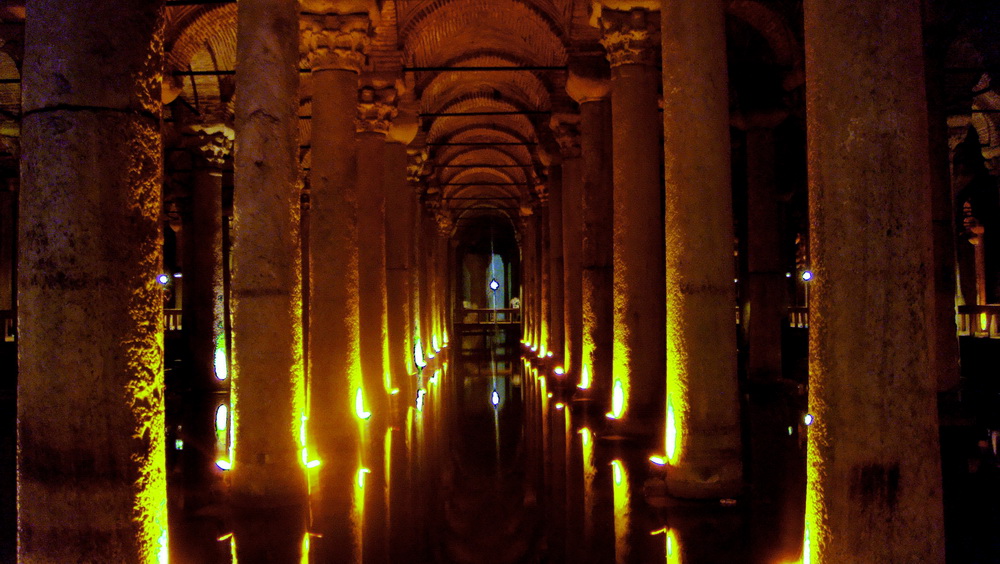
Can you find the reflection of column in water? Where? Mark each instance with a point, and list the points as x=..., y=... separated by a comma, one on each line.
x=623, y=515
x=672, y=546
x=589, y=471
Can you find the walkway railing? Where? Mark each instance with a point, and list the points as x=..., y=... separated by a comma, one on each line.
x=979, y=321
x=172, y=320
x=489, y=316
x=798, y=317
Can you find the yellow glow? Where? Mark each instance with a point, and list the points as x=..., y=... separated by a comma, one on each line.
x=983, y=323
x=420, y=400
x=361, y=476
x=221, y=368
x=221, y=418
x=623, y=516
x=418, y=355
x=584, y=378
x=658, y=460
x=434, y=377
x=618, y=399
x=585, y=436
x=589, y=473
x=672, y=433
x=359, y=405
x=560, y=405
x=224, y=537
x=434, y=343
x=394, y=392
x=224, y=464
x=305, y=549
x=672, y=546
x=559, y=371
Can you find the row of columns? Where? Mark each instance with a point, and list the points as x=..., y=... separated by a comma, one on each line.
x=657, y=339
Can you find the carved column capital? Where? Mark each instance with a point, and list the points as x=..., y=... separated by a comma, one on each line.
x=212, y=142
x=333, y=41
x=376, y=109
x=630, y=37
x=566, y=130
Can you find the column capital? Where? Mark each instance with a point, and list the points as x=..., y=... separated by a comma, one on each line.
x=334, y=41
x=213, y=142
x=376, y=109
x=566, y=129
x=589, y=78
x=415, y=159
x=629, y=37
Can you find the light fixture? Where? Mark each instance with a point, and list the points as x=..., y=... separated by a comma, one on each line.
x=163, y=279
x=807, y=276
x=494, y=285
x=808, y=419
x=495, y=398
x=658, y=460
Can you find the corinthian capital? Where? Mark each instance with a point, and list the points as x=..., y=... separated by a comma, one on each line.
x=376, y=109
x=334, y=41
x=566, y=130
x=629, y=37
x=212, y=142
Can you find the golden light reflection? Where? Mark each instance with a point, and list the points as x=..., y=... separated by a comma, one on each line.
x=418, y=354
x=359, y=405
x=672, y=547
x=221, y=364
x=305, y=549
x=585, y=382
x=618, y=400
x=672, y=434
x=623, y=516
x=589, y=472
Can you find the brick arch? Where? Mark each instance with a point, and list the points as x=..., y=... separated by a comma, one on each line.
x=189, y=34
x=774, y=28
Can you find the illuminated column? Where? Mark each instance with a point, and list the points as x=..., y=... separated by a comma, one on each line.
x=566, y=130
x=588, y=84
x=335, y=54
x=91, y=483
x=639, y=356
x=204, y=314
x=874, y=476
x=529, y=284
x=544, y=294
x=399, y=219
x=267, y=478
x=376, y=109
x=703, y=423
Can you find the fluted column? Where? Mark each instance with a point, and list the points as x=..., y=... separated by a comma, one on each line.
x=702, y=418
x=566, y=129
x=871, y=497
x=376, y=109
x=335, y=52
x=639, y=356
x=91, y=482
x=589, y=85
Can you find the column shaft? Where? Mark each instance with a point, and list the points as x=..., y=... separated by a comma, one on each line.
x=374, y=352
x=572, y=243
x=597, y=278
x=91, y=483
x=871, y=496
x=639, y=356
x=703, y=432
x=335, y=374
x=556, y=265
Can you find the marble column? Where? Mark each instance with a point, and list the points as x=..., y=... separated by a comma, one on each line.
x=376, y=109
x=588, y=84
x=874, y=473
x=567, y=132
x=638, y=381
x=703, y=422
x=90, y=469
x=334, y=50
x=267, y=479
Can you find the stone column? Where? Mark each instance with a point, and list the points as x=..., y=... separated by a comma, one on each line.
x=566, y=130
x=204, y=318
x=766, y=283
x=399, y=250
x=703, y=422
x=874, y=475
x=556, y=265
x=544, y=294
x=90, y=471
x=268, y=485
x=639, y=355
x=8, y=239
x=335, y=52
x=376, y=109
x=588, y=84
